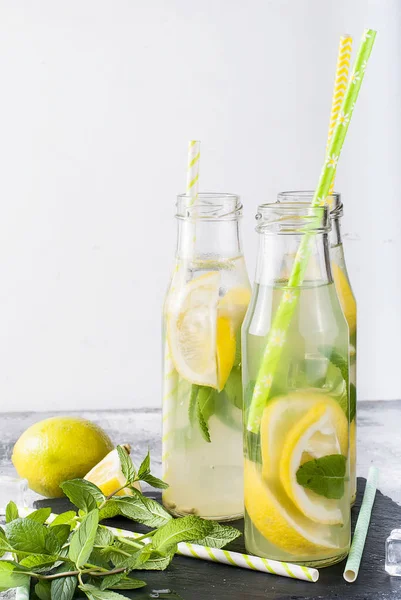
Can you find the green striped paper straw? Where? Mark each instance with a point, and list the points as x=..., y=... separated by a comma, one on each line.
x=361, y=528
x=227, y=557
x=287, y=306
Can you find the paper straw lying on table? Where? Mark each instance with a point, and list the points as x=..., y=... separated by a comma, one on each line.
x=361, y=528
x=237, y=559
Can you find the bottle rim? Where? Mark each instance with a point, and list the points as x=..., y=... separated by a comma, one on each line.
x=209, y=206
x=333, y=200
x=288, y=218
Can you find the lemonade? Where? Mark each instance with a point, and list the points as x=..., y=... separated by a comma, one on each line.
x=202, y=390
x=297, y=489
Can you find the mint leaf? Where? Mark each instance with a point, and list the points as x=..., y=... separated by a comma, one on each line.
x=68, y=518
x=64, y=587
x=202, y=424
x=62, y=532
x=154, y=482
x=84, y=494
x=121, y=582
x=83, y=539
x=103, y=537
x=4, y=544
x=127, y=465
x=42, y=590
x=219, y=536
x=99, y=559
x=144, y=469
x=185, y=529
x=193, y=403
x=40, y=516
x=27, y=536
x=95, y=593
x=324, y=476
x=37, y=561
x=233, y=387
x=138, y=508
x=341, y=362
x=352, y=402
x=155, y=562
x=11, y=512
x=9, y=578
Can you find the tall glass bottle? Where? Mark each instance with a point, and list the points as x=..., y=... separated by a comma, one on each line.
x=202, y=397
x=297, y=499
x=348, y=304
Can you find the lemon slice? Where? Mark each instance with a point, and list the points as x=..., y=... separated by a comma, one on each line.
x=322, y=431
x=346, y=297
x=191, y=330
x=278, y=521
x=107, y=475
x=234, y=305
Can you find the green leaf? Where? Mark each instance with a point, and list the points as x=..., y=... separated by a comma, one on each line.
x=61, y=532
x=233, y=387
x=155, y=562
x=36, y=561
x=219, y=536
x=352, y=402
x=127, y=465
x=11, y=579
x=104, y=537
x=11, y=512
x=99, y=559
x=68, y=518
x=41, y=515
x=27, y=536
x=192, y=408
x=144, y=469
x=42, y=590
x=64, y=587
x=94, y=593
x=203, y=425
x=185, y=529
x=324, y=476
x=341, y=362
x=154, y=482
x=4, y=544
x=120, y=581
x=141, y=509
x=84, y=494
x=83, y=539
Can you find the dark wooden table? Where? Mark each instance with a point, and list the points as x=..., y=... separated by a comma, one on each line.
x=379, y=442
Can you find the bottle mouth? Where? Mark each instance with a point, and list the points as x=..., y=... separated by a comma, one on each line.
x=292, y=218
x=209, y=206
x=333, y=200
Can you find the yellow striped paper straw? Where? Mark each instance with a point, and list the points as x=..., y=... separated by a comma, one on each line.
x=227, y=557
x=340, y=85
x=236, y=559
x=193, y=170
x=170, y=377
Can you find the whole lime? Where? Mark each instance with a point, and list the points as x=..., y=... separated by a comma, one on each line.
x=58, y=449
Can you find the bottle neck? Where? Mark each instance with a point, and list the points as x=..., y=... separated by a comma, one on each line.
x=277, y=254
x=199, y=238
x=335, y=234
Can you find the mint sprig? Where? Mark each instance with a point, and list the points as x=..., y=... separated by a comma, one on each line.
x=76, y=551
x=324, y=476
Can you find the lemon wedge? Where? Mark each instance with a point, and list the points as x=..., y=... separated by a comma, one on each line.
x=107, y=474
x=278, y=521
x=322, y=431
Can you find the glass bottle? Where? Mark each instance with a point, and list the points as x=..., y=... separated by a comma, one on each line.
x=293, y=512
x=348, y=304
x=202, y=391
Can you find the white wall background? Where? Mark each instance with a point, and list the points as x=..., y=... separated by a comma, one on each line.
x=98, y=99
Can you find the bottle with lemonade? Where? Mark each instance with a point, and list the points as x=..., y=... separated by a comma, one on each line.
x=202, y=391
x=297, y=493
x=348, y=304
